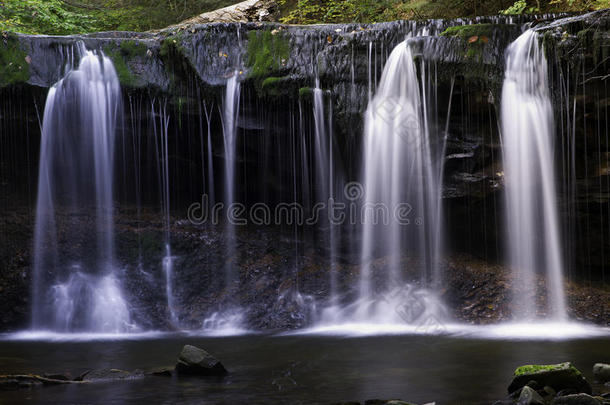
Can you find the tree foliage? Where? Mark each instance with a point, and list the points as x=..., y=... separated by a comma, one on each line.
x=79, y=16
x=367, y=11
x=42, y=16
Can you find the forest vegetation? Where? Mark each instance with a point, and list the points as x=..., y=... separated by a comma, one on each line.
x=79, y=16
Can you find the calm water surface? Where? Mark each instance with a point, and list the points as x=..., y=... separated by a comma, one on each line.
x=295, y=369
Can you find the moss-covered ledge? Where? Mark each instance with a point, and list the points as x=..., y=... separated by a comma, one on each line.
x=278, y=60
x=14, y=62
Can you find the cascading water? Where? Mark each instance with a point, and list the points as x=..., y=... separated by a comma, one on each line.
x=531, y=215
x=75, y=283
x=325, y=179
x=229, y=130
x=160, y=131
x=399, y=174
x=228, y=320
x=400, y=187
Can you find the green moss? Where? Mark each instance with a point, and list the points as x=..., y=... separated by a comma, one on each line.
x=467, y=31
x=266, y=53
x=171, y=44
x=133, y=48
x=166, y=46
x=305, y=92
x=271, y=81
x=14, y=67
x=535, y=368
x=271, y=86
x=122, y=70
x=475, y=51
x=277, y=86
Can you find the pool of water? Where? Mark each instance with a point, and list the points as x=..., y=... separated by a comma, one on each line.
x=294, y=369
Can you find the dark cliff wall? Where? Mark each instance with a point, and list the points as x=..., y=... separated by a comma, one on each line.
x=182, y=72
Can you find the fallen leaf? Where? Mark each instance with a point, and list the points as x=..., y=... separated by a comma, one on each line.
x=329, y=39
x=484, y=39
x=472, y=39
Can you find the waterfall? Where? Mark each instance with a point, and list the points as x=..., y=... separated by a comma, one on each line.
x=160, y=127
x=229, y=319
x=325, y=178
x=400, y=181
x=76, y=285
x=531, y=215
x=400, y=194
x=229, y=130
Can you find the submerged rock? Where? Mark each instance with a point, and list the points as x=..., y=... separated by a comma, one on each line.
x=196, y=361
x=16, y=381
x=110, y=374
x=576, y=399
x=558, y=376
x=601, y=372
x=160, y=371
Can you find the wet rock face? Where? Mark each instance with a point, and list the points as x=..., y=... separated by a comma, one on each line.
x=190, y=63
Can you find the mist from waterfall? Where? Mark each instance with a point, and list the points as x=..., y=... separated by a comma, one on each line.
x=76, y=285
x=534, y=246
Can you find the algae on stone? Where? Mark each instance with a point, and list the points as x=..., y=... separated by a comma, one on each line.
x=558, y=376
x=126, y=77
x=467, y=31
x=266, y=52
x=14, y=66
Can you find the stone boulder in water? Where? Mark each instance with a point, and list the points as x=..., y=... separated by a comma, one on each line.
x=196, y=361
x=601, y=372
x=558, y=376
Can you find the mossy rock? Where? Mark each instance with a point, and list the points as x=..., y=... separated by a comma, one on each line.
x=131, y=48
x=305, y=92
x=468, y=31
x=267, y=53
x=558, y=376
x=277, y=86
x=126, y=77
x=14, y=66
